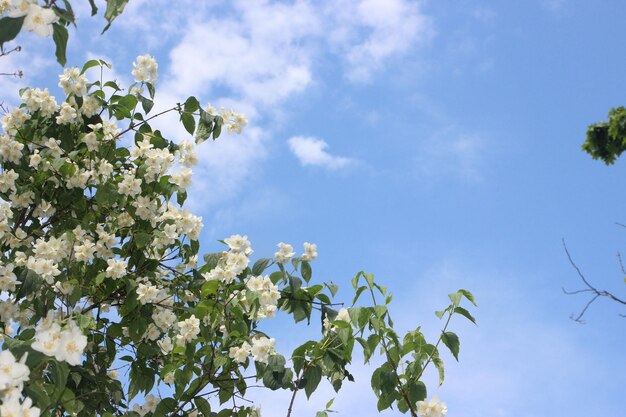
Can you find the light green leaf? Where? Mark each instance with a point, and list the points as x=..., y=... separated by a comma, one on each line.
x=465, y=313
x=468, y=295
x=455, y=298
x=439, y=365
x=451, y=340
x=114, y=9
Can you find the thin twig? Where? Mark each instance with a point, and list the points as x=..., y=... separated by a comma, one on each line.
x=590, y=288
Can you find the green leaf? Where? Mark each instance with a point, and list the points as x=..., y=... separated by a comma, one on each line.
x=330, y=403
x=181, y=196
x=306, y=271
x=451, y=340
x=439, y=365
x=465, y=313
x=191, y=105
x=114, y=9
x=94, y=9
x=455, y=298
x=129, y=101
x=60, y=36
x=204, y=130
x=146, y=104
x=203, y=406
x=189, y=122
x=210, y=287
x=142, y=239
x=260, y=266
x=417, y=391
x=312, y=378
x=90, y=64
x=10, y=27
x=59, y=372
x=276, y=363
x=359, y=291
x=217, y=129
x=468, y=295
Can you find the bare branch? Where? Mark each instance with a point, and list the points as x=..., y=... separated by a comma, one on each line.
x=590, y=288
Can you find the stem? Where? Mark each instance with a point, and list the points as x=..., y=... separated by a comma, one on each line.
x=430, y=357
x=405, y=396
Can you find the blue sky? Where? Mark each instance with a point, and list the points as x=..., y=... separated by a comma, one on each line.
x=434, y=144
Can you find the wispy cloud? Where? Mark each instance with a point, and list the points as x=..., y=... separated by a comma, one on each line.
x=369, y=32
x=312, y=151
x=553, y=5
x=452, y=151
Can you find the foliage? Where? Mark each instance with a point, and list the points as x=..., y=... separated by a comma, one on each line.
x=101, y=274
x=607, y=140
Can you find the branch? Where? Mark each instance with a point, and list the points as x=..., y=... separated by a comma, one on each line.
x=590, y=288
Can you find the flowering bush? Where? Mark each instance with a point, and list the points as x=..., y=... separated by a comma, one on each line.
x=105, y=295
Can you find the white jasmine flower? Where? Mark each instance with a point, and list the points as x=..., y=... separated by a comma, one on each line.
x=310, y=251
x=285, y=253
x=434, y=408
x=343, y=315
x=39, y=20
x=262, y=348
x=241, y=353
x=145, y=69
x=13, y=374
x=72, y=345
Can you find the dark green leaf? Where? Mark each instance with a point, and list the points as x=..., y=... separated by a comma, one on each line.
x=417, y=391
x=203, y=406
x=306, y=271
x=189, y=122
x=60, y=36
x=312, y=378
x=260, y=266
x=9, y=28
x=146, y=103
x=94, y=9
x=191, y=105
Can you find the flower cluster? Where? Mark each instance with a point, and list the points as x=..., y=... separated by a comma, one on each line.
x=13, y=375
x=65, y=344
x=36, y=18
x=261, y=349
x=145, y=69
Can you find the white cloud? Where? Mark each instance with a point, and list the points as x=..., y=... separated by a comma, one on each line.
x=312, y=151
x=369, y=32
